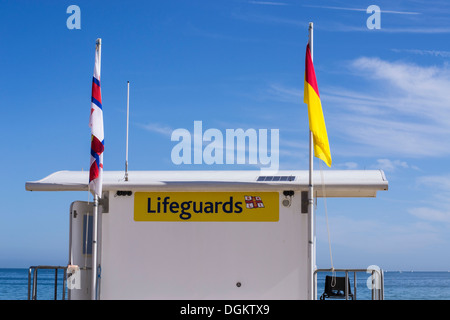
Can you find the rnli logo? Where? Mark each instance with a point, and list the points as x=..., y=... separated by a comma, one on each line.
x=252, y=202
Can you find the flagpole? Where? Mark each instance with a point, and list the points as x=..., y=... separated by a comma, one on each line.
x=95, y=215
x=311, y=266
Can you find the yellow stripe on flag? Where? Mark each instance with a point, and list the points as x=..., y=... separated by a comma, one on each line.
x=315, y=113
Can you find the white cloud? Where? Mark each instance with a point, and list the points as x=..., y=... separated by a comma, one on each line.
x=158, y=128
x=391, y=109
x=360, y=9
x=431, y=214
x=435, y=53
x=403, y=110
x=285, y=94
x=438, y=209
x=393, y=165
x=429, y=30
x=348, y=165
x=271, y=19
x=439, y=187
x=441, y=181
x=268, y=3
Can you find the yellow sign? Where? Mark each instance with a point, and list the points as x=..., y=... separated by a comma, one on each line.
x=206, y=206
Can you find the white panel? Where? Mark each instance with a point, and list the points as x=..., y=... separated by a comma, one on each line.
x=203, y=260
x=80, y=213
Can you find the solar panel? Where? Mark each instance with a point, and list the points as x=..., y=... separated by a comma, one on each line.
x=276, y=178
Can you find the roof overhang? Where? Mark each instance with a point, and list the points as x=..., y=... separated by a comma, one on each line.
x=337, y=183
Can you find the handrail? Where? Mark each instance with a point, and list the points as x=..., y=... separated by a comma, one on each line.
x=32, y=293
x=377, y=277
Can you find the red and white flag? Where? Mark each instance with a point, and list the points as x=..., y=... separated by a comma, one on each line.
x=96, y=125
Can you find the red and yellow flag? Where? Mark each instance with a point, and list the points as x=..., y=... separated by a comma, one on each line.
x=316, y=120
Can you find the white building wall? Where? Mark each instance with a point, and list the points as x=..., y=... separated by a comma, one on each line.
x=203, y=260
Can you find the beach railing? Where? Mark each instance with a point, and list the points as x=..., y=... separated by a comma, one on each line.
x=33, y=281
x=376, y=281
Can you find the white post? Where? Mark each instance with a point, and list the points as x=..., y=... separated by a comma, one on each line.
x=311, y=248
x=94, y=250
x=128, y=119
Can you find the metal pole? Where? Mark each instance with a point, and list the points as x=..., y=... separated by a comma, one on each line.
x=311, y=193
x=56, y=284
x=64, y=284
x=29, y=282
x=373, y=286
x=94, y=250
x=34, y=294
x=128, y=119
x=70, y=236
x=346, y=285
x=70, y=250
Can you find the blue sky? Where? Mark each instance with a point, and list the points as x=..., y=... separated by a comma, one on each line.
x=233, y=64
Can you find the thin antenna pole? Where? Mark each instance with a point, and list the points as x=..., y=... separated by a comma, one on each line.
x=128, y=119
x=311, y=194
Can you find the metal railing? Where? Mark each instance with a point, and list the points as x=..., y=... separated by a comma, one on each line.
x=33, y=281
x=377, y=280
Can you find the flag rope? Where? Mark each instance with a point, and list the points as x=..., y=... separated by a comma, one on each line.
x=324, y=196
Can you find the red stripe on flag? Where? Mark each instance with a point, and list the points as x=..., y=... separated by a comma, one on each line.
x=310, y=74
x=93, y=171
x=96, y=92
x=96, y=145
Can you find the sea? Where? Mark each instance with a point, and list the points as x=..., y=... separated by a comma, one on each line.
x=398, y=285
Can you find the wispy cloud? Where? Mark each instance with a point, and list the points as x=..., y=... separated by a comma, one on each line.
x=348, y=27
x=393, y=165
x=268, y=3
x=269, y=19
x=158, y=128
x=401, y=111
x=349, y=165
x=437, y=207
x=441, y=181
x=420, y=20
x=431, y=214
x=440, y=186
x=285, y=94
x=404, y=114
x=435, y=53
x=423, y=30
x=427, y=22
x=409, y=89
x=359, y=9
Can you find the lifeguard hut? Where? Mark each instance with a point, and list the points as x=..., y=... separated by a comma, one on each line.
x=199, y=234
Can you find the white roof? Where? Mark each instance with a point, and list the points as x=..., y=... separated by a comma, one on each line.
x=338, y=183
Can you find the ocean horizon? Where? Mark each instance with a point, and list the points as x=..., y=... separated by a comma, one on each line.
x=398, y=285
